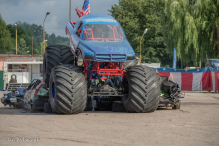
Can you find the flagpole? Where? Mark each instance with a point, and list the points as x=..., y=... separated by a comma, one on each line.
x=85, y=9
x=69, y=10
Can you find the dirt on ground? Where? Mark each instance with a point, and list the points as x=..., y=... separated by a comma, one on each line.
x=196, y=123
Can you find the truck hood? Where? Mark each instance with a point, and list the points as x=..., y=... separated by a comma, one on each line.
x=108, y=47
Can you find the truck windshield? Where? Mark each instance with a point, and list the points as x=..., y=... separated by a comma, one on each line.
x=103, y=32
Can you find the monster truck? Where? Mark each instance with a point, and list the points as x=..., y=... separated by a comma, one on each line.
x=99, y=65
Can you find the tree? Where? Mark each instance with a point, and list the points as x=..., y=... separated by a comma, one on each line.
x=206, y=13
x=191, y=26
x=136, y=15
x=57, y=40
x=25, y=31
x=180, y=30
x=5, y=38
x=22, y=47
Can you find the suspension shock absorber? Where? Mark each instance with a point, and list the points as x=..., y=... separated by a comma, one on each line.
x=76, y=57
x=90, y=67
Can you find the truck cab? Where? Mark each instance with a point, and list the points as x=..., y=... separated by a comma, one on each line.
x=99, y=38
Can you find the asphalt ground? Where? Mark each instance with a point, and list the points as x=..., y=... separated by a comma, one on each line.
x=196, y=123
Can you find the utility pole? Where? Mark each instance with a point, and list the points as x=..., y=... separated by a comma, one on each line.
x=69, y=10
x=43, y=39
x=145, y=31
x=16, y=36
x=32, y=45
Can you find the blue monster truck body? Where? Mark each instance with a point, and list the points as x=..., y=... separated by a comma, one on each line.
x=104, y=50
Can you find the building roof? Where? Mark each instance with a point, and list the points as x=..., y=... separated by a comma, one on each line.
x=10, y=55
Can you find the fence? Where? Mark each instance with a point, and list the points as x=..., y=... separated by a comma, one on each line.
x=194, y=79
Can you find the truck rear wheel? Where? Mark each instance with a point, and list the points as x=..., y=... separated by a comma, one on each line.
x=143, y=89
x=67, y=89
x=55, y=55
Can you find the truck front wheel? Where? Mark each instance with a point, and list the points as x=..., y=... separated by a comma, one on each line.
x=68, y=89
x=143, y=88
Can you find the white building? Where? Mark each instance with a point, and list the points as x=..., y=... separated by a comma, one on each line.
x=23, y=68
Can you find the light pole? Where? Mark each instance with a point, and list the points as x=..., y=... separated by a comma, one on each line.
x=32, y=45
x=42, y=45
x=145, y=31
x=44, y=31
x=16, y=36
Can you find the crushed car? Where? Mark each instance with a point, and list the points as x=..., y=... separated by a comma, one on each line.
x=171, y=94
x=14, y=98
x=6, y=99
x=36, y=96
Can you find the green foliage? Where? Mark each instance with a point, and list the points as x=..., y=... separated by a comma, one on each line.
x=206, y=14
x=191, y=26
x=53, y=40
x=5, y=37
x=25, y=32
x=180, y=30
x=136, y=15
x=22, y=47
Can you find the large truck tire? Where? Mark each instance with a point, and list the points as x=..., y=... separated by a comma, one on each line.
x=67, y=89
x=67, y=56
x=143, y=91
x=55, y=55
x=130, y=63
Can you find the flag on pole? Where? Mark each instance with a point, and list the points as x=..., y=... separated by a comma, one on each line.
x=85, y=9
x=174, y=58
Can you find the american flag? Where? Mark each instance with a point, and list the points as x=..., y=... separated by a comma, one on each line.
x=85, y=9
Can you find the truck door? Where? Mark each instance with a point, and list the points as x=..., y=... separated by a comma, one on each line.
x=76, y=35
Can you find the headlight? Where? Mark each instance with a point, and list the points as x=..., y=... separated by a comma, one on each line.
x=6, y=96
x=131, y=57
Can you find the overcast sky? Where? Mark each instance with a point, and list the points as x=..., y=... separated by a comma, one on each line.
x=34, y=11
